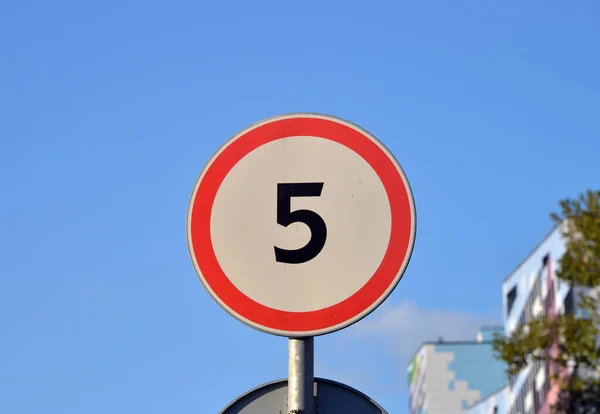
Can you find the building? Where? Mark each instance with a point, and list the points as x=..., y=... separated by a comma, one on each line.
x=449, y=377
x=495, y=403
x=465, y=377
x=531, y=290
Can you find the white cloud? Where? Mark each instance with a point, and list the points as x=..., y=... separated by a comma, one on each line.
x=373, y=354
x=405, y=326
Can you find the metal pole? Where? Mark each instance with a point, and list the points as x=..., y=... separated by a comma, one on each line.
x=301, y=352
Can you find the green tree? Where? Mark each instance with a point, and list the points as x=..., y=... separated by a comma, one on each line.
x=573, y=338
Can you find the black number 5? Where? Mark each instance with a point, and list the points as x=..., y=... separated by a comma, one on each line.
x=285, y=217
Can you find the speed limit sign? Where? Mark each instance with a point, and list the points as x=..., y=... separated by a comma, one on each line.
x=301, y=225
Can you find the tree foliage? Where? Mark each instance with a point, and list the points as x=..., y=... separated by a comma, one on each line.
x=571, y=337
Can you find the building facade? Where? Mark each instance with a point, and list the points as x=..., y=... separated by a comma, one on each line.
x=465, y=377
x=449, y=377
x=532, y=290
x=495, y=403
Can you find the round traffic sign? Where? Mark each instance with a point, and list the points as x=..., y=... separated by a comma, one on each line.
x=301, y=224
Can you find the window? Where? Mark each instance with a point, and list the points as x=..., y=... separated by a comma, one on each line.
x=510, y=299
x=569, y=303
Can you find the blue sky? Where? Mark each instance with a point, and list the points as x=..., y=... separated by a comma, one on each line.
x=109, y=110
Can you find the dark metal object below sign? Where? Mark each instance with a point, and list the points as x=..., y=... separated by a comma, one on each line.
x=331, y=397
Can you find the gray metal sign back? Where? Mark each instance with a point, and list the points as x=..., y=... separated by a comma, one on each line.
x=330, y=397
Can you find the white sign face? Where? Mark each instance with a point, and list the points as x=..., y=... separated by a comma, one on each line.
x=301, y=225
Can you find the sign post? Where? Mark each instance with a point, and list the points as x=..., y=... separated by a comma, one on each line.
x=301, y=375
x=301, y=225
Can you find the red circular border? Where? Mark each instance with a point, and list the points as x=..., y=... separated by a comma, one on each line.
x=273, y=319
